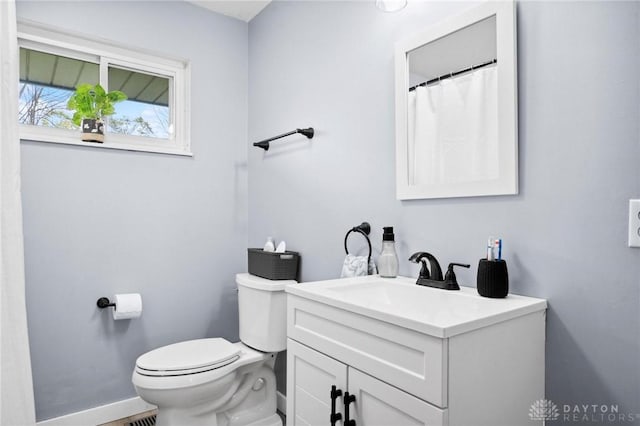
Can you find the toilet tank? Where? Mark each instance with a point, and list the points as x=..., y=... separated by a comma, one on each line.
x=262, y=309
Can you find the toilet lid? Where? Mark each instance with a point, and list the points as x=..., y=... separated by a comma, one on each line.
x=184, y=357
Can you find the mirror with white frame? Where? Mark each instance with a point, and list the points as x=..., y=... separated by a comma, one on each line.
x=456, y=107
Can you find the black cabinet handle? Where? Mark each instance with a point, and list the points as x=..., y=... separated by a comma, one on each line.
x=335, y=393
x=348, y=399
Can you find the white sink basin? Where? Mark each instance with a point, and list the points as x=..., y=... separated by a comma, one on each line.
x=440, y=313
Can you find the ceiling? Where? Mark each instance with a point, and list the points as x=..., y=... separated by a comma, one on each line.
x=244, y=10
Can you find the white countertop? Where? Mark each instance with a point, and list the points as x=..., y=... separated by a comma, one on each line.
x=439, y=313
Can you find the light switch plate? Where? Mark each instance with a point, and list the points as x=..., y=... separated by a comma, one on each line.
x=634, y=223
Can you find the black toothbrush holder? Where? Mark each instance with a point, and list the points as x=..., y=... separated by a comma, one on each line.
x=493, y=278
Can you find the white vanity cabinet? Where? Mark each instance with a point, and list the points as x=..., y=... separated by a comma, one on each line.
x=411, y=355
x=311, y=376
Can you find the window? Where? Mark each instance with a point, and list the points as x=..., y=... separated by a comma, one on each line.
x=146, y=111
x=154, y=117
x=46, y=82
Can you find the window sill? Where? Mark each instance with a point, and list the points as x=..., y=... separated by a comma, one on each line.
x=112, y=141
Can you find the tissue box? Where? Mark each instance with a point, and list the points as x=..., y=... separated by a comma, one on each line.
x=273, y=266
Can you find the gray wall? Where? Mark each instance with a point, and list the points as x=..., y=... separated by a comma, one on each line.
x=99, y=222
x=330, y=65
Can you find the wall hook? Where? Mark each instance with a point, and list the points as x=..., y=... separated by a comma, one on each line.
x=309, y=132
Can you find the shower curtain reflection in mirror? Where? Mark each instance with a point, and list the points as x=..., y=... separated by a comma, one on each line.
x=453, y=129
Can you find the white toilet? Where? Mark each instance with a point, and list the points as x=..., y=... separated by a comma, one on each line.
x=214, y=382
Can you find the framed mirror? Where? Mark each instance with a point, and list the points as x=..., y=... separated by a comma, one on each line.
x=456, y=107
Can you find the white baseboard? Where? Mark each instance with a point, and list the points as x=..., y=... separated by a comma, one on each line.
x=281, y=402
x=119, y=410
x=103, y=414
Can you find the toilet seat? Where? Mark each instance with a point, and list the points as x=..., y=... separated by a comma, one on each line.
x=190, y=357
x=169, y=380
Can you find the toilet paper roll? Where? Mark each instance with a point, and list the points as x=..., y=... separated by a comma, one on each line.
x=127, y=306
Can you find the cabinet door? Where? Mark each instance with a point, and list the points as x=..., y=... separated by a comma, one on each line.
x=310, y=376
x=380, y=404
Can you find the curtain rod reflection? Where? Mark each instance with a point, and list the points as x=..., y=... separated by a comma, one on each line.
x=453, y=74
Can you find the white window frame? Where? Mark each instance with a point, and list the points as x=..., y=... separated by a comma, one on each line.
x=46, y=39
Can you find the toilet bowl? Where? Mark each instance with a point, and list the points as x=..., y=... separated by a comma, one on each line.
x=215, y=382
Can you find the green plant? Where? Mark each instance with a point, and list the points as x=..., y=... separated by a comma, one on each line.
x=94, y=102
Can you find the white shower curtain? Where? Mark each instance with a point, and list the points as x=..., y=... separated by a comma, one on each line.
x=453, y=130
x=16, y=387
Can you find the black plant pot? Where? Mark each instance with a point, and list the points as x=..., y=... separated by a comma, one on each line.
x=92, y=130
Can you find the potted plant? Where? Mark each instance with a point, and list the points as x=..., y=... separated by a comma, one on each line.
x=90, y=105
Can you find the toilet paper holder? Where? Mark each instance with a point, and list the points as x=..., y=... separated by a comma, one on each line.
x=104, y=302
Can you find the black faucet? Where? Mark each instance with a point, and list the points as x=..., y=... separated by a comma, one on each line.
x=433, y=277
x=436, y=272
